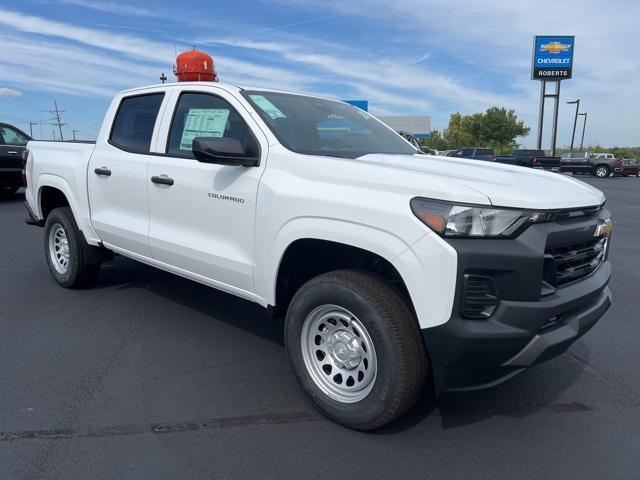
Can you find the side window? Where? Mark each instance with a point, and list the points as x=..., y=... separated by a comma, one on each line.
x=9, y=136
x=206, y=115
x=133, y=126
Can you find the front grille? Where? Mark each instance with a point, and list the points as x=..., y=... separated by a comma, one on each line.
x=572, y=262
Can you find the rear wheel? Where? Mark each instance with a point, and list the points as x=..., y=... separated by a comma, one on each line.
x=64, y=250
x=355, y=348
x=602, y=171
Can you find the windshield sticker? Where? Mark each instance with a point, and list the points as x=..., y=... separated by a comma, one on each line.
x=203, y=122
x=267, y=107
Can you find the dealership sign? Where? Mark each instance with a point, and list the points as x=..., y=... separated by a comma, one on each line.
x=552, y=57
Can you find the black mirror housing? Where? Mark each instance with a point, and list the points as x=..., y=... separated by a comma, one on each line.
x=222, y=151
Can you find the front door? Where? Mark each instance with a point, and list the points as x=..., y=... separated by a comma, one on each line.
x=117, y=176
x=202, y=215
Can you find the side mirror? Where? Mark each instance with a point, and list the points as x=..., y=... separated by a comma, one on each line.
x=222, y=151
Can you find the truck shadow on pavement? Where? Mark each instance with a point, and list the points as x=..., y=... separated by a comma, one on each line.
x=535, y=390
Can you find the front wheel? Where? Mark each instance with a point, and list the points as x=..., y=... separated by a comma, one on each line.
x=355, y=348
x=63, y=245
x=602, y=171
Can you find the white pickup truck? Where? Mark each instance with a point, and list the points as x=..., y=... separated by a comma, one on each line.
x=391, y=267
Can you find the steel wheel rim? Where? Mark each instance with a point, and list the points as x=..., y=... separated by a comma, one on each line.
x=601, y=172
x=338, y=354
x=59, y=248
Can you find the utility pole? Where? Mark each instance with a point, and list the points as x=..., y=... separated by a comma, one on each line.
x=56, y=117
x=31, y=124
x=575, y=120
x=74, y=134
x=53, y=134
x=584, y=125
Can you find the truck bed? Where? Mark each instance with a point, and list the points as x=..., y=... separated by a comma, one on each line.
x=63, y=164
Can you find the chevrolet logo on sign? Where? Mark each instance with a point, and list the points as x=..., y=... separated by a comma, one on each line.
x=555, y=47
x=552, y=57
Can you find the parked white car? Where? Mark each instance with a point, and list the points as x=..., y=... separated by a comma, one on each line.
x=388, y=266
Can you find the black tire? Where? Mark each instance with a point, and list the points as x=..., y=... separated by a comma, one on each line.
x=79, y=273
x=401, y=359
x=602, y=171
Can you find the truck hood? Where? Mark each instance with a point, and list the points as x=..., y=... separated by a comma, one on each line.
x=503, y=185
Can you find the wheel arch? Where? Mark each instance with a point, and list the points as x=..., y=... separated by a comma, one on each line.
x=307, y=257
x=54, y=191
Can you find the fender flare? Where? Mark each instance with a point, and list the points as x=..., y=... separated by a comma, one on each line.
x=380, y=242
x=59, y=183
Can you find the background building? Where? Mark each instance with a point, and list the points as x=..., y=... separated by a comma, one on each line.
x=418, y=126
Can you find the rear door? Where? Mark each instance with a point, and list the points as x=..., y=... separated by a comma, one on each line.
x=576, y=162
x=12, y=144
x=117, y=175
x=203, y=221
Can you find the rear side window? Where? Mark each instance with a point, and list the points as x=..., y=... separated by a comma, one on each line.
x=9, y=136
x=133, y=126
x=484, y=151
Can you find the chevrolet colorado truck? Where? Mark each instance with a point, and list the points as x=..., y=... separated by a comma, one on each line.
x=391, y=271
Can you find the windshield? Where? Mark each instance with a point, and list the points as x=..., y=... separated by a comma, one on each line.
x=313, y=126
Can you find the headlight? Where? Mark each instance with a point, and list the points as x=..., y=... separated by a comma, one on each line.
x=452, y=220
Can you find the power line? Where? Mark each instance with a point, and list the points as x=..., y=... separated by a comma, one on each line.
x=56, y=117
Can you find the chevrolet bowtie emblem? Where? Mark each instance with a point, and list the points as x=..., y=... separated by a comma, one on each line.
x=555, y=47
x=604, y=229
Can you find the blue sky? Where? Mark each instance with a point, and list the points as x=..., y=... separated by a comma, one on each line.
x=419, y=57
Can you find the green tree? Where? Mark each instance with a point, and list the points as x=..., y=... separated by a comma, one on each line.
x=457, y=132
x=436, y=141
x=496, y=128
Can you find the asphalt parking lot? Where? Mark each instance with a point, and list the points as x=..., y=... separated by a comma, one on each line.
x=147, y=375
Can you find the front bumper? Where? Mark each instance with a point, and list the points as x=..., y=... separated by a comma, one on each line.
x=531, y=323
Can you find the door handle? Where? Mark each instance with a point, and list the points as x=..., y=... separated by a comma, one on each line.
x=103, y=171
x=162, y=180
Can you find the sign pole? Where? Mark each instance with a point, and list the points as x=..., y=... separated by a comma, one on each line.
x=543, y=95
x=554, y=131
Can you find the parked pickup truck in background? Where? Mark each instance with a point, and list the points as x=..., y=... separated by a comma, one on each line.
x=390, y=269
x=13, y=142
x=588, y=163
x=531, y=158
x=475, y=153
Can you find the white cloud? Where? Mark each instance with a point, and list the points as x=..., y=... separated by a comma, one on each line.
x=9, y=92
x=112, y=7
x=494, y=37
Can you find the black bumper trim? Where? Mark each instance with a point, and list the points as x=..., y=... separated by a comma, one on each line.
x=531, y=324
x=32, y=219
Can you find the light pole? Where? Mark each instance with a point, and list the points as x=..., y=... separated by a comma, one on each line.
x=575, y=120
x=74, y=134
x=31, y=124
x=584, y=125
